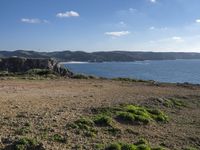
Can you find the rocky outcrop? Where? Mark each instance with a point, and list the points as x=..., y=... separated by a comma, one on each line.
x=22, y=65
x=18, y=64
x=62, y=71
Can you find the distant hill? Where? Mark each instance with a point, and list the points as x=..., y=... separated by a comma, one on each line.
x=101, y=56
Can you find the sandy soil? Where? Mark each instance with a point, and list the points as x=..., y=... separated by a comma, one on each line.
x=52, y=104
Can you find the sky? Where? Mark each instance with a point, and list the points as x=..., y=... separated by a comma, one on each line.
x=100, y=25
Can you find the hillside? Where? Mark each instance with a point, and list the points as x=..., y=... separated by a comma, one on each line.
x=101, y=56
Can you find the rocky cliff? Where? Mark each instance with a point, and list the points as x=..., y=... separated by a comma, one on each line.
x=22, y=65
x=18, y=64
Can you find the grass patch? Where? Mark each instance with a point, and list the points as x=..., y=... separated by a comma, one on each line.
x=114, y=131
x=140, y=145
x=173, y=103
x=82, y=76
x=130, y=114
x=84, y=125
x=27, y=144
x=125, y=117
x=103, y=120
x=107, y=117
x=109, y=111
x=135, y=114
x=40, y=72
x=132, y=80
x=113, y=146
x=23, y=130
x=58, y=138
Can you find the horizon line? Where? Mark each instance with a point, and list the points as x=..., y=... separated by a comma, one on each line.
x=88, y=51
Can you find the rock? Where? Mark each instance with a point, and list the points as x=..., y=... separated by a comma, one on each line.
x=22, y=65
x=19, y=64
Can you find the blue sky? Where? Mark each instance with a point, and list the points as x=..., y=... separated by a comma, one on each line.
x=100, y=25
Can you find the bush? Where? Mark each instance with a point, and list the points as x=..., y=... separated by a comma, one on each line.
x=40, y=72
x=80, y=76
x=114, y=146
x=27, y=144
x=126, y=117
x=103, y=120
x=58, y=138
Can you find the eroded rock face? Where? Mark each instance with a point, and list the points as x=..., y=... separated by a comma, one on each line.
x=17, y=64
x=21, y=65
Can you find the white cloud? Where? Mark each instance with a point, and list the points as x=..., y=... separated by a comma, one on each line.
x=153, y=1
x=177, y=39
x=33, y=21
x=68, y=14
x=197, y=20
x=117, y=34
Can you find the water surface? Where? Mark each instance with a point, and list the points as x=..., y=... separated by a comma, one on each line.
x=163, y=71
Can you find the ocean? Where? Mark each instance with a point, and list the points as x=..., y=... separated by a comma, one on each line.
x=173, y=71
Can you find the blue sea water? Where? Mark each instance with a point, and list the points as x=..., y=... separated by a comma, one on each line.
x=164, y=71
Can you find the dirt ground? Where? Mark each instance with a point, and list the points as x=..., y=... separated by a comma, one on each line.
x=47, y=106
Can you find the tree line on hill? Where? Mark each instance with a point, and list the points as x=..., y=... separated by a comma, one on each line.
x=122, y=56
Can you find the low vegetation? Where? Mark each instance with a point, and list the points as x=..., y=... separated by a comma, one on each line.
x=40, y=72
x=82, y=76
x=131, y=80
x=110, y=118
x=131, y=114
x=140, y=145
x=83, y=126
x=58, y=138
x=25, y=143
x=32, y=74
x=103, y=120
x=172, y=102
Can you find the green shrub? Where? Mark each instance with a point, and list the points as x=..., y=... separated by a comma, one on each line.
x=40, y=72
x=58, y=138
x=126, y=117
x=80, y=76
x=142, y=141
x=128, y=147
x=114, y=131
x=142, y=144
x=84, y=123
x=143, y=147
x=114, y=146
x=103, y=120
x=26, y=144
x=173, y=102
x=22, y=131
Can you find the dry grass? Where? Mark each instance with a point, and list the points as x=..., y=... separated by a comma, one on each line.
x=41, y=110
